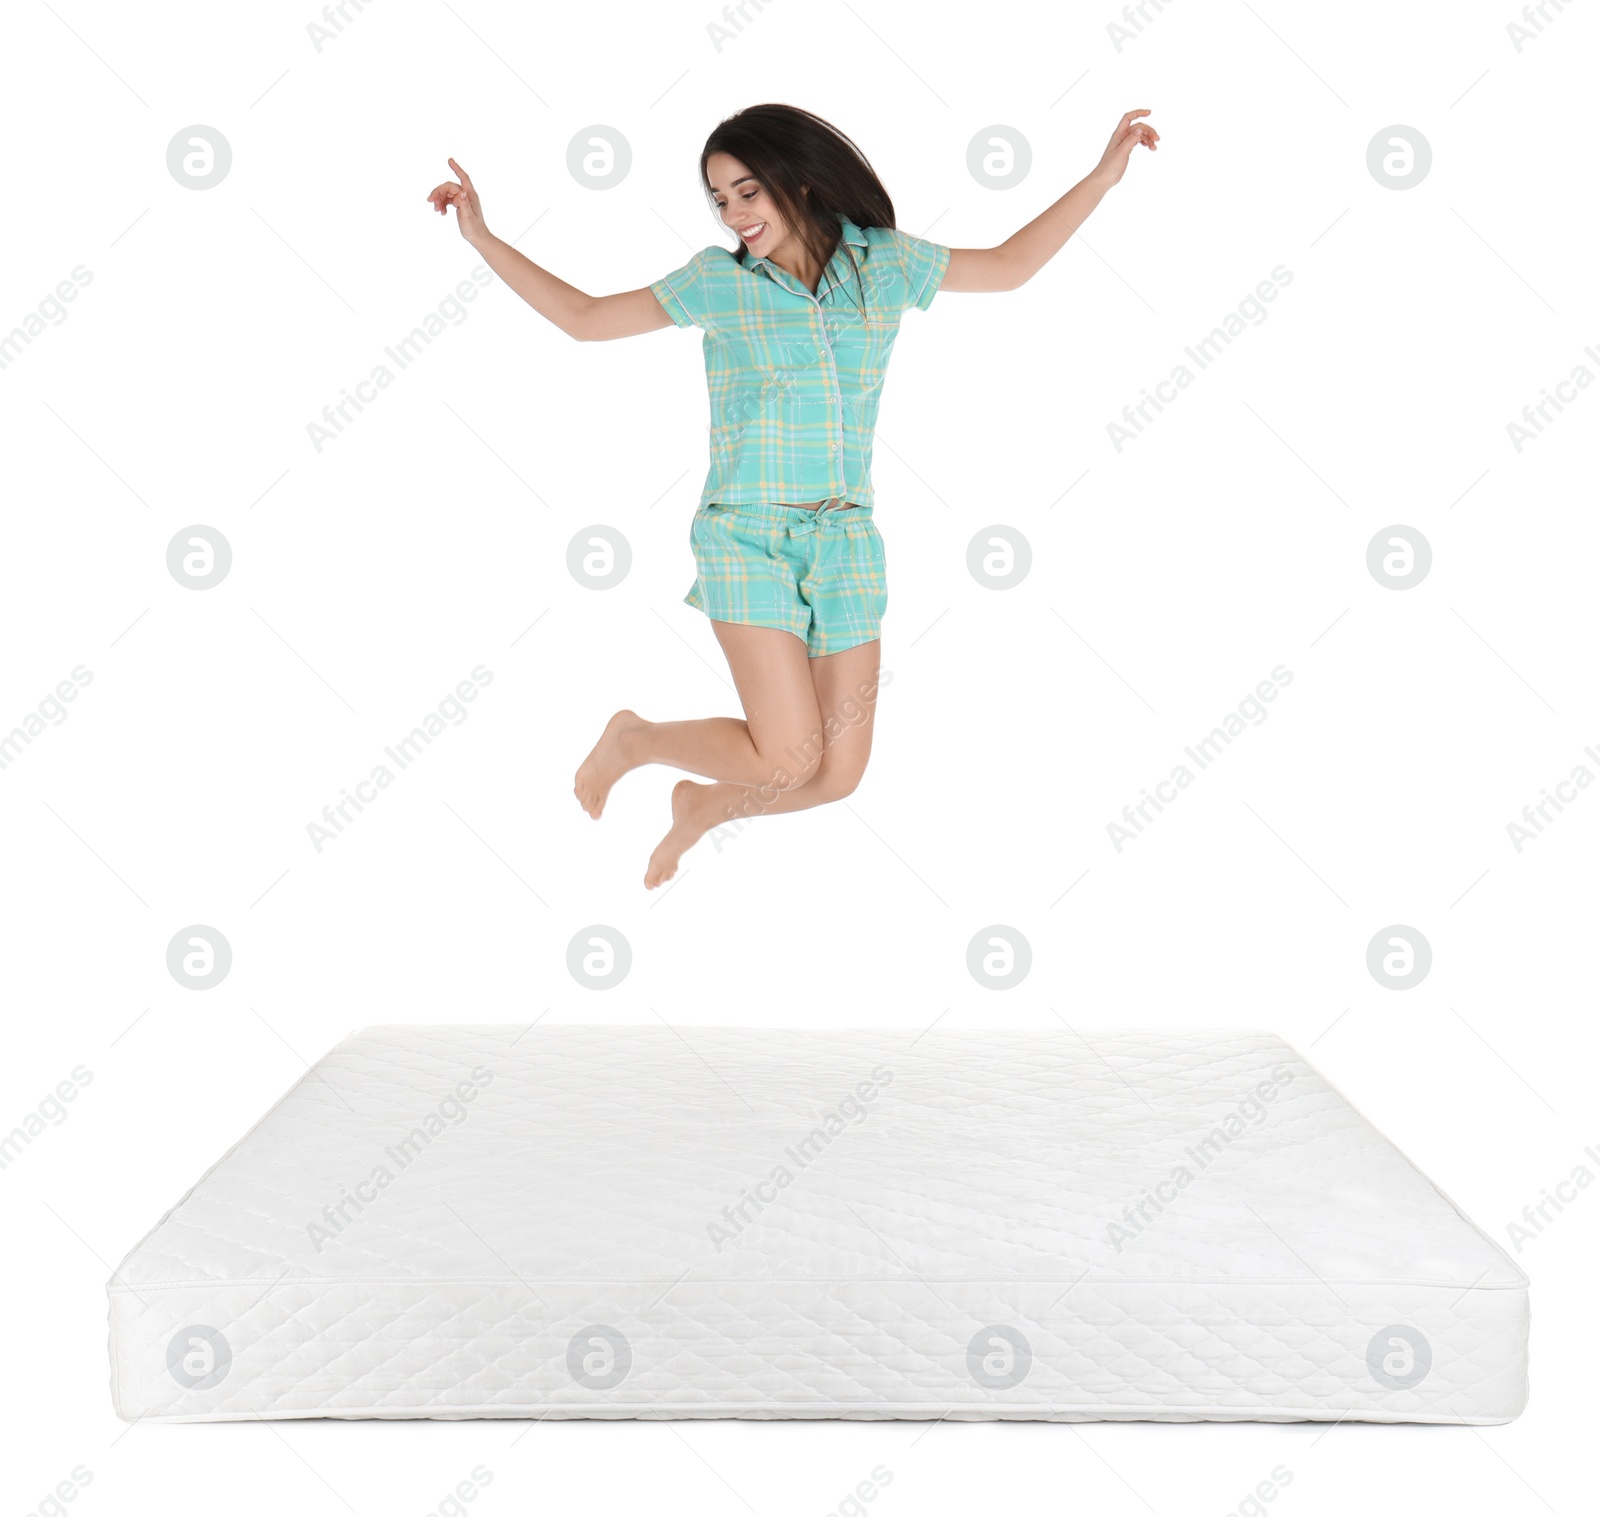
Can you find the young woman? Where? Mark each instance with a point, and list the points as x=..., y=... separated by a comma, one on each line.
x=799, y=322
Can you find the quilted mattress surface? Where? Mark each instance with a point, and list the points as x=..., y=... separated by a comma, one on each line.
x=514, y=1221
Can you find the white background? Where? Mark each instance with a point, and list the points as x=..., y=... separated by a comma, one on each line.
x=1168, y=579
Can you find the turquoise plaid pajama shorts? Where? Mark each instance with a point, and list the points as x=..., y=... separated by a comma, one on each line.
x=816, y=573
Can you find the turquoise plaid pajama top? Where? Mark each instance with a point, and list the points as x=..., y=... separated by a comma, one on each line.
x=794, y=378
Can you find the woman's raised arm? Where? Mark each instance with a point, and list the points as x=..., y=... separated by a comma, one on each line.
x=584, y=317
x=1016, y=260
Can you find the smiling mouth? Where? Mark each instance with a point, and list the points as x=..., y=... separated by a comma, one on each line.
x=754, y=232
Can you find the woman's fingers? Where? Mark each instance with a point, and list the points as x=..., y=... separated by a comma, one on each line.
x=447, y=194
x=1134, y=133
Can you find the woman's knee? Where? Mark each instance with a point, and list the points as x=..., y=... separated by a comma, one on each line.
x=797, y=763
x=835, y=782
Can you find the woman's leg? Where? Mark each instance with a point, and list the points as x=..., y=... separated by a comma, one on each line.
x=846, y=696
x=777, y=745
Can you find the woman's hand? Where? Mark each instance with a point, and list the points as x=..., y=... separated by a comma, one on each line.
x=469, y=214
x=1129, y=133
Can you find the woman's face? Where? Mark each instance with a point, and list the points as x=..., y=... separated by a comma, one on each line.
x=745, y=206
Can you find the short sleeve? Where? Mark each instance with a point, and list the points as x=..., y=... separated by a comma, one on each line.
x=924, y=263
x=683, y=292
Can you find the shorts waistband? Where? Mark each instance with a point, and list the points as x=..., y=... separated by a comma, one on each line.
x=834, y=507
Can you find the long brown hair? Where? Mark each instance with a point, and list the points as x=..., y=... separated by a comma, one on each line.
x=812, y=171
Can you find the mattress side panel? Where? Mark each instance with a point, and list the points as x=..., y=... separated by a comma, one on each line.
x=871, y=1349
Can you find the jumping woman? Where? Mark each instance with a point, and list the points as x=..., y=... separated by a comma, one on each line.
x=799, y=321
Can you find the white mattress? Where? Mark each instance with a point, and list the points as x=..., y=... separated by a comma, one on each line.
x=503, y=1221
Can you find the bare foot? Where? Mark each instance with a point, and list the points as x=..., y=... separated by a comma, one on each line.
x=689, y=824
x=608, y=761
